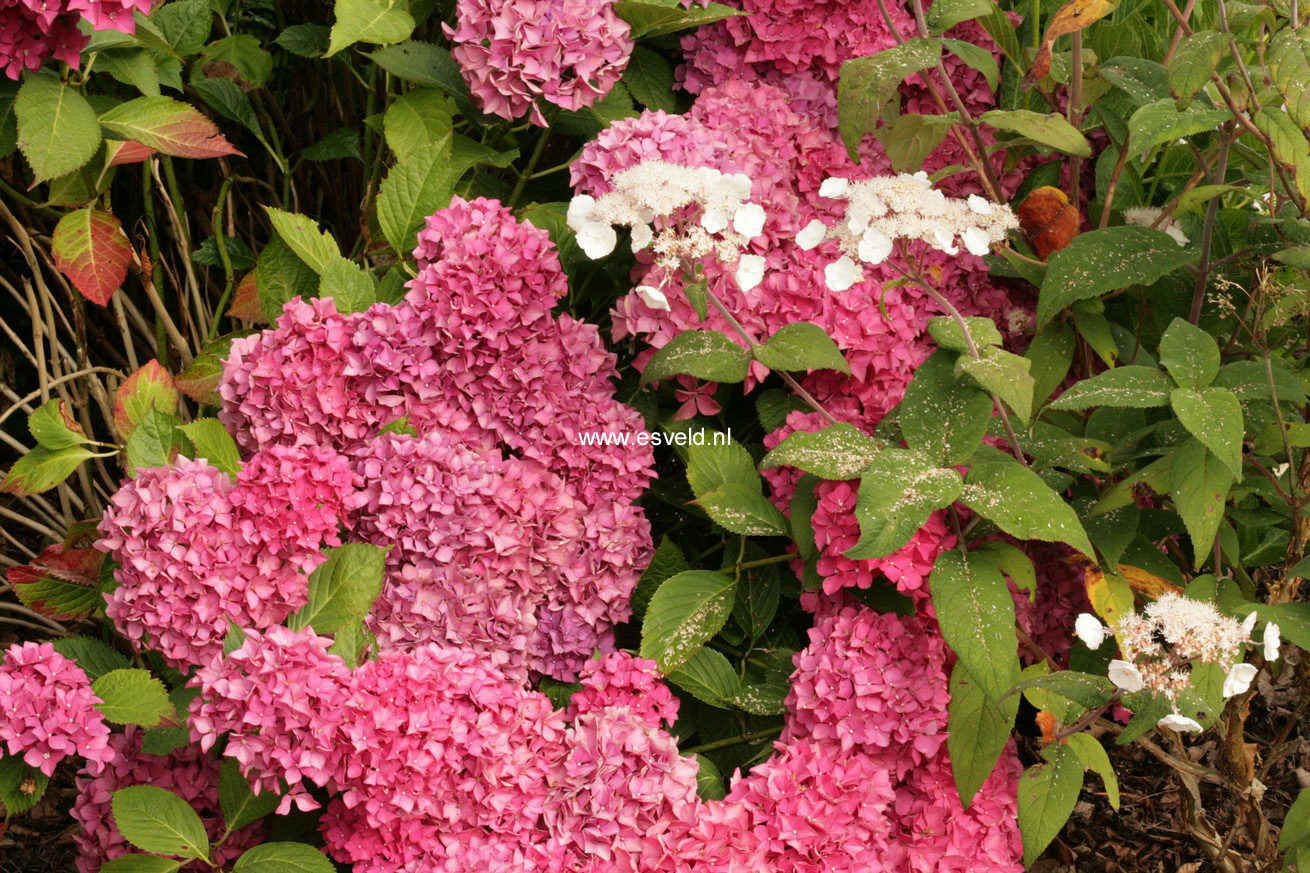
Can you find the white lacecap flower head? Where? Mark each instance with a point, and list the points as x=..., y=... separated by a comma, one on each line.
x=580, y=211
x=1126, y=676
x=979, y=205
x=641, y=236
x=749, y=220
x=653, y=297
x=714, y=221
x=1090, y=630
x=811, y=235
x=1238, y=680
x=1272, y=642
x=750, y=271
x=597, y=239
x=834, y=187
x=874, y=246
x=1180, y=723
x=841, y=274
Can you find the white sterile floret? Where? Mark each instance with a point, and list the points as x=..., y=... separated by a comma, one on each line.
x=1177, y=722
x=1147, y=216
x=874, y=246
x=596, y=239
x=749, y=220
x=714, y=221
x=653, y=297
x=1090, y=630
x=945, y=240
x=750, y=271
x=1272, y=641
x=1248, y=623
x=1239, y=679
x=834, y=187
x=841, y=274
x=979, y=205
x=580, y=211
x=1126, y=677
x=641, y=236
x=977, y=242
x=811, y=235
x=739, y=184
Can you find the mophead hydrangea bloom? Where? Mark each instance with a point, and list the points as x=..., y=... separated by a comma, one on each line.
x=187, y=772
x=49, y=710
x=621, y=679
x=32, y=31
x=513, y=54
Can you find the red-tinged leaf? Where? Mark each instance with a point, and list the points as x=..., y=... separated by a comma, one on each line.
x=119, y=152
x=93, y=252
x=150, y=387
x=200, y=380
x=61, y=583
x=169, y=126
x=245, y=301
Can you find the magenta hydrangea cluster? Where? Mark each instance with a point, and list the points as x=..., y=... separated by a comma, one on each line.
x=49, y=710
x=620, y=679
x=32, y=31
x=187, y=772
x=514, y=54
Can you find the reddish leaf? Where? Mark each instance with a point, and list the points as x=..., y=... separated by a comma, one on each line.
x=124, y=151
x=200, y=380
x=149, y=387
x=61, y=583
x=93, y=252
x=1049, y=220
x=245, y=301
x=1071, y=18
x=169, y=126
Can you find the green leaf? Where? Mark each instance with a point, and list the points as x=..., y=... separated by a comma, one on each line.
x=709, y=781
x=42, y=469
x=1296, y=824
x=167, y=126
x=1084, y=689
x=155, y=820
x=8, y=124
x=132, y=697
x=417, y=119
x=15, y=777
x=978, y=730
x=1048, y=129
x=650, y=80
x=687, y=610
x=911, y=138
x=214, y=444
x=1213, y=416
x=976, y=614
x=1289, y=145
x=801, y=345
x=946, y=332
x=1047, y=795
x=350, y=286
x=1142, y=80
x=338, y=144
x=838, y=452
x=1289, y=67
x=283, y=858
x=305, y=40
x=591, y=120
x=1092, y=755
x=200, y=380
x=342, y=589
x=1193, y=63
x=53, y=428
x=58, y=598
x=164, y=740
x=57, y=128
x=718, y=461
x=140, y=864
x=1296, y=256
x=705, y=354
x=1013, y=562
x=1051, y=353
x=1016, y=500
x=423, y=63
x=898, y=492
x=867, y=84
x=708, y=677
x=1004, y=374
x=1189, y=354
x=94, y=657
x=132, y=67
x=227, y=99
x=739, y=507
x=155, y=442
x=766, y=699
x=280, y=276
x=351, y=642
x=1160, y=122
x=150, y=387
x=1132, y=386
x=381, y=22
x=240, y=805
x=242, y=51
x=941, y=416
x=650, y=18
x=314, y=247
x=756, y=604
x=90, y=248
x=1200, y=489
x=667, y=561
x=184, y=24
x=413, y=190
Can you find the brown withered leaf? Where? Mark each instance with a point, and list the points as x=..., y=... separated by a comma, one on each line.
x=1049, y=220
x=1072, y=17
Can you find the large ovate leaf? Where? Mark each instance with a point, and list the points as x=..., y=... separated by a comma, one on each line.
x=1200, y=488
x=740, y=508
x=167, y=126
x=1213, y=416
x=140, y=864
x=687, y=610
x=240, y=805
x=1161, y=122
x=941, y=416
x=976, y=614
x=53, y=428
x=1289, y=67
x=132, y=697
x=42, y=469
x=1132, y=386
x=1005, y=375
x=898, y=492
x=1193, y=63
x=1016, y=500
x=801, y=345
x=90, y=248
x=149, y=387
x=709, y=677
x=94, y=657
x=650, y=18
x=213, y=443
x=1100, y=261
x=155, y=820
x=705, y=354
x=283, y=858
x=1049, y=129
x=666, y=562
x=1189, y=354
x=714, y=461
x=313, y=246
x=414, y=189
x=867, y=83
x=1093, y=757
x=1047, y=794
x=56, y=126
x=342, y=589
x=417, y=119
x=840, y=451
x=978, y=729
x=911, y=138
x=381, y=22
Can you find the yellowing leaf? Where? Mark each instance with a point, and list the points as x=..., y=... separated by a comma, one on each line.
x=1110, y=595
x=1072, y=17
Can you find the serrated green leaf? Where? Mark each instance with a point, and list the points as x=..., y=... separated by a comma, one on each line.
x=866, y=84
x=1049, y=129
x=941, y=416
x=1200, y=489
x=53, y=428
x=978, y=729
x=413, y=190
x=1289, y=145
x=280, y=276
x=243, y=52
x=1004, y=374
x=417, y=119
x=42, y=469
x=381, y=22
x=840, y=451
x=1195, y=60
x=1161, y=122
x=239, y=804
x=57, y=128
x=1213, y=416
x=164, y=740
x=21, y=786
x=316, y=248
x=717, y=462
x=1016, y=500
x=342, y=589
x=1084, y=689
x=709, y=781
x=132, y=697
x=1289, y=67
x=705, y=354
x=898, y=492
x=651, y=18
x=168, y=126
x=140, y=864
x=350, y=286
x=739, y=507
x=911, y=138
x=1100, y=261
x=650, y=80
x=214, y=444
x=283, y=858
x=667, y=561
x=708, y=677
x=305, y=40
x=156, y=820
x=1132, y=386
x=948, y=334
x=155, y=442
x=94, y=657
x=976, y=614
x=1047, y=795
x=1189, y=354
x=684, y=612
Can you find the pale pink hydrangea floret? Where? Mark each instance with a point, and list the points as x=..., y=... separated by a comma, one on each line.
x=620, y=679
x=186, y=772
x=49, y=710
x=566, y=52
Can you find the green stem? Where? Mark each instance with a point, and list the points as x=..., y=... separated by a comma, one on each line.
x=527, y=171
x=760, y=562
x=734, y=741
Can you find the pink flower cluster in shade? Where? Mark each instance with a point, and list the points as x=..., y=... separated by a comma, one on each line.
x=514, y=54
x=49, y=710
x=32, y=31
x=186, y=772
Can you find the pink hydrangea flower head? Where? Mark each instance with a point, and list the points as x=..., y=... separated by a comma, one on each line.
x=187, y=772
x=622, y=680
x=567, y=52
x=49, y=710
x=654, y=135
x=111, y=14
x=33, y=31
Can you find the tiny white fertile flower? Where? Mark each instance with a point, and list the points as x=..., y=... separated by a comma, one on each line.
x=580, y=210
x=750, y=271
x=749, y=220
x=811, y=235
x=841, y=274
x=653, y=297
x=1238, y=679
x=1090, y=630
x=1248, y=623
x=977, y=241
x=1272, y=641
x=944, y=240
x=874, y=246
x=641, y=237
x=1178, y=722
x=597, y=239
x=834, y=187
x=979, y=205
x=714, y=221
x=1126, y=676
